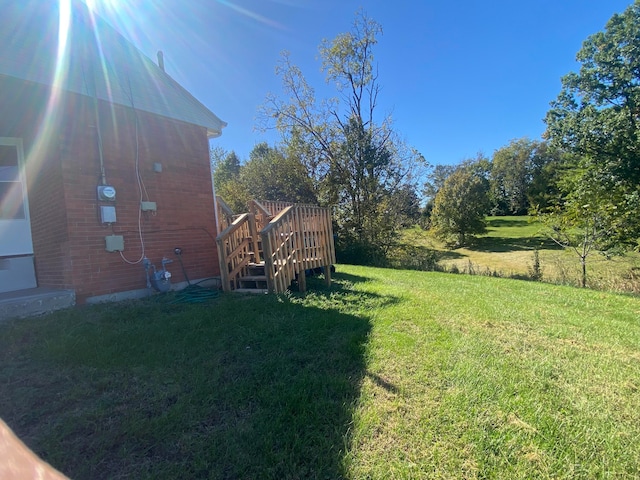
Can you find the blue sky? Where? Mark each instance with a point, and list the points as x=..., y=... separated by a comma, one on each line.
x=459, y=77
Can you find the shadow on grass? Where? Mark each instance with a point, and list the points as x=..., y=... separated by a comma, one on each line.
x=508, y=222
x=451, y=255
x=242, y=387
x=511, y=244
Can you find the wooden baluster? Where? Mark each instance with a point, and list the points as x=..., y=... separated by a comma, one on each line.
x=253, y=233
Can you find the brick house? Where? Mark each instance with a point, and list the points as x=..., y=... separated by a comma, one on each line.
x=104, y=160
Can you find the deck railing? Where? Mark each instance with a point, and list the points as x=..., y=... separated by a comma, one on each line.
x=296, y=239
x=316, y=243
x=275, y=207
x=280, y=250
x=235, y=251
x=224, y=213
x=262, y=214
x=299, y=238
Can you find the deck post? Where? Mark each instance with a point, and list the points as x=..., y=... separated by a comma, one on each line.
x=302, y=280
x=268, y=261
x=253, y=231
x=222, y=261
x=327, y=274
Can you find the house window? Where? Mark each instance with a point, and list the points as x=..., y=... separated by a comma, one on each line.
x=11, y=194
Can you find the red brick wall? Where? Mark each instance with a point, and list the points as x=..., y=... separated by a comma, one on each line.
x=63, y=171
x=182, y=192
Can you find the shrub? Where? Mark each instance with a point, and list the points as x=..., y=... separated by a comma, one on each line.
x=413, y=257
x=535, y=269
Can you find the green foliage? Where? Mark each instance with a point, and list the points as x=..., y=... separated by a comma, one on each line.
x=235, y=194
x=535, y=269
x=523, y=174
x=509, y=177
x=460, y=206
x=596, y=118
x=405, y=206
x=226, y=167
x=578, y=226
x=357, y=163
x=413, y=257
x=271, y=175
x=548, y=166
x=350, y=251
x=436, y=178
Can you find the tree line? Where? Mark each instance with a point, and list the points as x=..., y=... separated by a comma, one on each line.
x=582, y=179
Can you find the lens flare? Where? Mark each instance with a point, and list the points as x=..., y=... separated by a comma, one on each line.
x=250, y=14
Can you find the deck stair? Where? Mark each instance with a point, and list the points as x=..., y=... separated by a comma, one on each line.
x=273, y=245
x=255, y=281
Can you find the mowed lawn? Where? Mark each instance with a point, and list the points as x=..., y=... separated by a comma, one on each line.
x=506, y=249
x=387, y=374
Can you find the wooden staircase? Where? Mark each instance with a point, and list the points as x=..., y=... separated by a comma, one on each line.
x=255, y=281
x=272, y=245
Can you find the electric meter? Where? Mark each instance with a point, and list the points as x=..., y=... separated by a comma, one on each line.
x=106, y=193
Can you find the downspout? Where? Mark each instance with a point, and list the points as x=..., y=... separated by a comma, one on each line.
x=94, y=95
x=103, y=176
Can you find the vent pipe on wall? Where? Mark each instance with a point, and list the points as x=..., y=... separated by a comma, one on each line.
x=161, y=60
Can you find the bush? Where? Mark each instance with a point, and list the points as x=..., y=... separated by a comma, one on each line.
x=360, y=253
x=413, y=257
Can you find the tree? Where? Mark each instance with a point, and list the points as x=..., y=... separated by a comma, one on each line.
x=524, y=173
x=596, y=117
x=548, y=166
x=352, y=154
x=511, y=177
x=226, y=167
x=579, y=223
x=460, y=206
x=226, y=179
x=436, y=179
x=271, y=175
x=405, y=206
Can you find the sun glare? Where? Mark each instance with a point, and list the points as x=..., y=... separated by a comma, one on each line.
x=248, y=13
x=112, y=5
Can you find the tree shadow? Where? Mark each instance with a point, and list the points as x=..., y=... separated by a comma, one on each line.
x=507, y=222
x=451, y=255
x=511, y=244
x=241, y=387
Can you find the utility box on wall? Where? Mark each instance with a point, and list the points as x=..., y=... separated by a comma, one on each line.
x=107, y=214
x=148, y=206
x=114, y=243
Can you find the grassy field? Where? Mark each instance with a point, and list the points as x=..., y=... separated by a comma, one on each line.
x=507, y=249
x=387, y=374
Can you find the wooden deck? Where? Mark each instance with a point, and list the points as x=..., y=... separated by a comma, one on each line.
x=274, y=243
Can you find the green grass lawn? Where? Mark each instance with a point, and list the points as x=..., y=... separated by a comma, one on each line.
x=387, y=374
x=507, y=249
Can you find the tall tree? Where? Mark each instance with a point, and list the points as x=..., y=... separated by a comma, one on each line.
x=350, y=151
x=226, y=167
x=523, y=174
x=548, y=166
x=597, y=117
x=511, y=176
x=436, y=178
